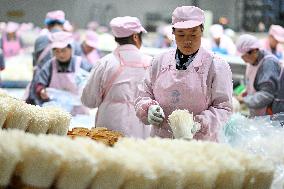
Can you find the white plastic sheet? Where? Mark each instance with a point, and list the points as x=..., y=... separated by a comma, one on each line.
x=63, y=99
x=262, y=136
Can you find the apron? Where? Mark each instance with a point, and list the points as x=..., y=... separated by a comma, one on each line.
x=251, y=72
x=122, y=65
x=182, y=89
x=12, y=47
x=66, y=81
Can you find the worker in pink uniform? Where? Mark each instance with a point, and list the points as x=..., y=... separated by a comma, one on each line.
x=11, y=43
x=273, y=42
x=68, y=27
x=220, y=43
x=54, y=21
x=89, y=47
x=262, y=74
x=113, y=84
x=188, y=77
x=62, y=71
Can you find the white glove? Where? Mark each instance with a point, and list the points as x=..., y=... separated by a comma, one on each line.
x=196, y=127
x=155, y=115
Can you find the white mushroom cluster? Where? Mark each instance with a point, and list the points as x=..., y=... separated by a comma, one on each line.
x=17, y=114
x=183, y=124
x=44, y=161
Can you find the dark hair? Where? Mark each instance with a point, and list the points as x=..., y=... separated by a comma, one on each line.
x=252, y=50
x=127, y=40
x=68, y=46
x=201, y=27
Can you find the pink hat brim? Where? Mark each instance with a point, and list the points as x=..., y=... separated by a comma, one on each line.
x=279, y=38
x=59, y=45
x=92, y=44
x=187, y=24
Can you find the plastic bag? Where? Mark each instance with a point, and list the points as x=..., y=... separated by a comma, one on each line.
x=81, y=78
x=62, y=99
x=262, y=136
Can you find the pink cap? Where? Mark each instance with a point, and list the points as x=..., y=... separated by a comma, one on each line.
x=61, y=39
x=92, y=39
x=187, y=17
x=67, y=26
x=277, y=32
x=93, y=25
x=12, y=27
x=26, y=27
x=126, y=26
x=216, y=31
x=57, y=15
x=247, y=42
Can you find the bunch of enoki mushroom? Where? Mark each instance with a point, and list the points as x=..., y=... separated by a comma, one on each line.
x=16, y=114
x=52, y=161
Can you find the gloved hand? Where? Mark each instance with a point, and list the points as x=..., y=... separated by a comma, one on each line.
x=196, y=127
x=155, y=115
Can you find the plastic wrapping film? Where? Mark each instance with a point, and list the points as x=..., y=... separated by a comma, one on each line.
x=260, y=135
x=63, y=99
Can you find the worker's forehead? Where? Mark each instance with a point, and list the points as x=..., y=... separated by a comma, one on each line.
x=194, y=29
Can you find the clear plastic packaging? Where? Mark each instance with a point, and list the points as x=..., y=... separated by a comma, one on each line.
x=262, y=136
x=62, y=99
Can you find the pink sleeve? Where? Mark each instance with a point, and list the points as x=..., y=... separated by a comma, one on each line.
x=145, y=96
x=142, y=104
x=220, y=109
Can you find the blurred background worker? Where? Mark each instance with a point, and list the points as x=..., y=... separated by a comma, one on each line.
x=165, y=38
x=262, y=74
x=188, y=77
x=54, y=21
x=11, y=43
x=221, y=43
x=61, y=72
x=273, y=42
x=68, y=27
x=89, y=47
x=113, y=84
